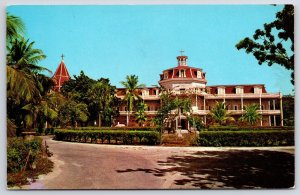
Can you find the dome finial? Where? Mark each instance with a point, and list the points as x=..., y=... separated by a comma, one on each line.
x=62, y=57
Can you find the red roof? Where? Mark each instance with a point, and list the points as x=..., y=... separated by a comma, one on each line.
x=190, y=72
x=230, y=89
x=60, y=76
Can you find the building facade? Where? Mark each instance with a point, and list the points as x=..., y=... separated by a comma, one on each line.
x=183, y=79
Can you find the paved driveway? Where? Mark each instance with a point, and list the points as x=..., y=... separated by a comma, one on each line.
x=95, y=166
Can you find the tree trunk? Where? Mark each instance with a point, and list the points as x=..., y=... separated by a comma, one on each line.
x=127, y=118
x=99, y=120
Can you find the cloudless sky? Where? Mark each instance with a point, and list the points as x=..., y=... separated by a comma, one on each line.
x=119, y=40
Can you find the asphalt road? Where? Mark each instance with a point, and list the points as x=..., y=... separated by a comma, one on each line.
x=96, y=166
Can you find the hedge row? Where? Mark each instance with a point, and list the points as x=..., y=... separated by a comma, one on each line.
x=246, y=138
x=18, y=153
x=247, y=128
x=108, y=136
x=115, y=128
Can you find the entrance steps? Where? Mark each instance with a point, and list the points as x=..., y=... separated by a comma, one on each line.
x=175, y=139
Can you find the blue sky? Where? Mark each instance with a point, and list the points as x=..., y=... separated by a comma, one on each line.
x=115, y=41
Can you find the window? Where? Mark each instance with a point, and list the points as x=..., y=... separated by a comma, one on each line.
x=198, y=74
x=257, y=90
x=235, y=107
x=182, y=73
x=125, y=108
x=221, y=91
x=262, y=107
x=239, y=90
x=166, y=75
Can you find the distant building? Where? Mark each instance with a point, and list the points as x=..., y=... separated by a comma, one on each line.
x=183, y=79
x=61, y=75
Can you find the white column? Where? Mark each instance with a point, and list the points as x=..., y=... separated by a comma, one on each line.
x=242, y=103
x=260, y=109
x=204, y=109
x=281, y=110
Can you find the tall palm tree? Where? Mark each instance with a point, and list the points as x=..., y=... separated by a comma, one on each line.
x=251, y=114
x=132, y=86
x=219, y=113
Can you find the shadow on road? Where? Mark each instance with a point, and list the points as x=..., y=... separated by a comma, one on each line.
x=231, y=169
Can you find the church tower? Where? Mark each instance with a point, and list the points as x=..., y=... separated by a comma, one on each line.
x=61, y=75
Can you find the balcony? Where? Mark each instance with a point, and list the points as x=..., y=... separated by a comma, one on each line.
x=244, y=95
x=146, y=112
x=148, y=97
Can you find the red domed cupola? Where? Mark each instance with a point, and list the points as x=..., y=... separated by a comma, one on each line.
x=183, y=75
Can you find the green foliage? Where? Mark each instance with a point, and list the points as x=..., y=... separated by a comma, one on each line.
x=26, y=84
x=116, y=128
x=267, y=47
x=196, y=121
x=140, y=115
x=108, y=136
x=246, y=138
x=247, y=128
x=219, y=113
x=251, y=114
x=72, y=112
x=288, y=106
x=102, y=100
x=17, y=153
x=14, y=27
x=132, y=92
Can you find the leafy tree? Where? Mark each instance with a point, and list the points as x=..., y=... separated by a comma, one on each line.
x=72, y=112
x=270, y=48
x=101, y=97
x=219, y=113
x=78, y=86
x=288, y=106
x=140, y=115
x=132, y=93
x=251, y=114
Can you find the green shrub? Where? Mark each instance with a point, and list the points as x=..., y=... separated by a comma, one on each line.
x=17, y=153
x=246, y=138
x=109, y=136
x=246, y=128
x=115, y=128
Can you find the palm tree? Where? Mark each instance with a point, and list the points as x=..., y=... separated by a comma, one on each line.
x=132, y=86
x=219, y=113
x=14, y=27
x=140, y=116
x=251, y=114
x=22, y=68
x=43, y=111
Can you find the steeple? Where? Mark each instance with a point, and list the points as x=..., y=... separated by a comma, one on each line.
x=182, y=60
x=61, y=75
